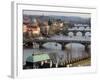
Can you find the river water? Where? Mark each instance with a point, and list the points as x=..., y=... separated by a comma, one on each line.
x=75, y=50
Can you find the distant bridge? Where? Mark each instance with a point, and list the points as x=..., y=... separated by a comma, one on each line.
x=75, y=31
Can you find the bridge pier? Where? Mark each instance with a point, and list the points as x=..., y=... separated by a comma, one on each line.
x=62, y=42
x=83, y=33
x=40, y=45
x=86, y=47
x=63, y=46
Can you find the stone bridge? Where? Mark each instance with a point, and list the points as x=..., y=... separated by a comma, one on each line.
x=61, y=41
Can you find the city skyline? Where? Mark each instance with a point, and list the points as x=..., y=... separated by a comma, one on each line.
x=50, y=13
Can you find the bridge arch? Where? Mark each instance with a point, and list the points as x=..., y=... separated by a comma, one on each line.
x=81, y=28
x=79, y=34
x=75, y=28
x=62, y=42
x=70, y=34
x=52, y=45
x=75, y=50
x=87, y=34
x=73, y=43
x=87, y=28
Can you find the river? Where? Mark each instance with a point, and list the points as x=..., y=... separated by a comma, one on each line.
x=75, y=50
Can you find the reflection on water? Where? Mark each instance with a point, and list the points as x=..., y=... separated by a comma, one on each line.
x=73, y=50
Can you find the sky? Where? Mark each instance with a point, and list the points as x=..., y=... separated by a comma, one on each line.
x=45, y=13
